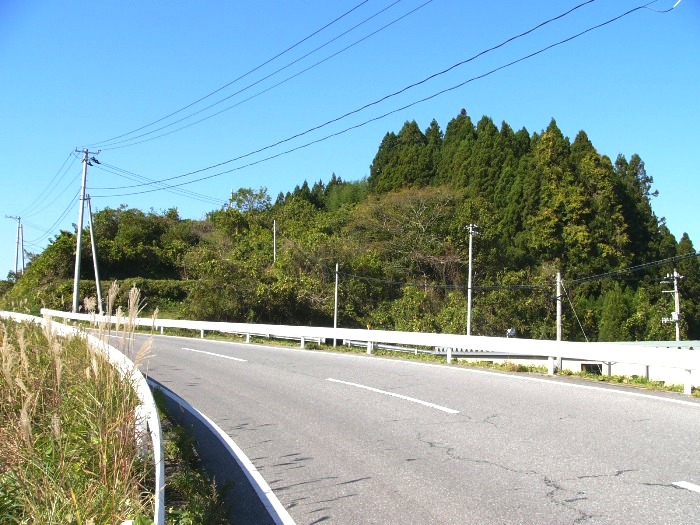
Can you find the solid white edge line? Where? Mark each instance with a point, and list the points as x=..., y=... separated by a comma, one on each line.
x=687, y=485
x=392, y=394
x=273, y=505
x=216, y=355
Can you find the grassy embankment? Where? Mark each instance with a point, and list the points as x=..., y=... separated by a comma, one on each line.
x=68, y=448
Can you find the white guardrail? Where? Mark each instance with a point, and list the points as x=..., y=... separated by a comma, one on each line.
x=147, y=414
x=683, y=359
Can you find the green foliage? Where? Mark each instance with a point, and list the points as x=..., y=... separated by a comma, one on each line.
x=542, y=203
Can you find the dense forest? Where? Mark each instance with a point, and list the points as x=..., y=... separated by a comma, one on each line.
x=541, y=202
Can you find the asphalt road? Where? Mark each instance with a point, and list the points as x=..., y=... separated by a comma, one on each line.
x=348, y=439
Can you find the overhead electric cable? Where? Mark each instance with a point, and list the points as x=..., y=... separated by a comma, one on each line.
x=114, y=145
x=489, y=287
x=574, y=310
x=41, y=210
x=376, y=101
x=236, y=79
x=631, y=269
x=46, y=233
x=130, y=175
x=50, y=186
x=341, y=132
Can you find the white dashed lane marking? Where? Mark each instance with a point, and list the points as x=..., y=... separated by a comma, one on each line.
x=687, y=485
x=216, y=355
x=392, y=394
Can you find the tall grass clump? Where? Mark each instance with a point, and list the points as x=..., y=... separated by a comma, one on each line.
x=68, y=444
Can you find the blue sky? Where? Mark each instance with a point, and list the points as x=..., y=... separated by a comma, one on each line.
x=78, y=73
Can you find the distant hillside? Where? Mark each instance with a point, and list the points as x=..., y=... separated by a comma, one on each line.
x=541, y=202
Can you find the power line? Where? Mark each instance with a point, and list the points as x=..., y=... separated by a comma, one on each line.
x=378, y=101
x=366, y=122
x=236, y=79
x=130, y=175
x=114, y=145
x=50, y=186
x=489, y=287
x=60, y=194
x=382, y=116
x=46, y=233
x=632, y=269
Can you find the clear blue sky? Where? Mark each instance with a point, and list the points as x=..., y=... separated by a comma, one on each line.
x=75, y=73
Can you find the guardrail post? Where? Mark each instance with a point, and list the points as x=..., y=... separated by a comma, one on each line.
x=370, y=347
x=303, y=342
x=550, y=365
x=449, y=355
x=247, y=338
x=609, y=363
x=161, y=329
x=688, y=387
x=201, y=333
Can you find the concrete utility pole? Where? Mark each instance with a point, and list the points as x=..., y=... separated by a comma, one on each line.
x=274, y=241
x=472, y=231
x=335, y=308
x=558, y=306
x=19, y=249
x=81, y=210
x=676, y=315
x=94, y=258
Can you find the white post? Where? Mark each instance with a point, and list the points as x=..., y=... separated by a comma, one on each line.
x=550, y=365
x=21, y=236
x=558, y=306
x=303, y=342
x=688, y=386
x=201, y=333
x=677, y=298
x=469, y=282
x=94, y=257
x=449, y=355
x=370, y=347
x=81, y=208
x=335, y=308
x=17, y=251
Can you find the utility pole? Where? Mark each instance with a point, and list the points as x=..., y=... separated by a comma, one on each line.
x=558, y=306
x=19, y=249
x=94, y=258
x=472, y=231
x=21, y=243
x=335, y=308
x=81, y=210
x=676, y=314
x=274, y=241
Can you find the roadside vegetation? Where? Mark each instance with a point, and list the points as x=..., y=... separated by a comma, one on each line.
x=68, y=450
x=543, y=203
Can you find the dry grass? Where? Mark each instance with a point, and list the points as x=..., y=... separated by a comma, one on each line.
x=68, y=444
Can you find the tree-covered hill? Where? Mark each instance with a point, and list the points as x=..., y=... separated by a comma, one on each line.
x=541, y=202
